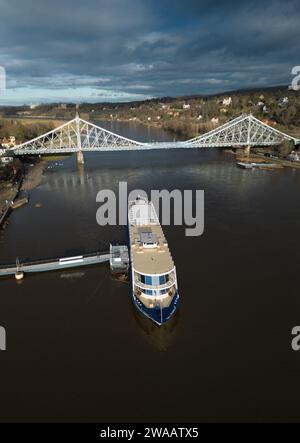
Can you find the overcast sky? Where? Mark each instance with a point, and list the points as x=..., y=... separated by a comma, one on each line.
x=121, y=50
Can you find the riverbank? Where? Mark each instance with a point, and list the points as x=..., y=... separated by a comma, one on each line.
x=259, y=158
x=10, y=182
x=8, y=193
x=27, y=179
x=33, y=175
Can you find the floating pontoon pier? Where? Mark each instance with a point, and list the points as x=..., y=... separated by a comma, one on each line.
x=119, y=259
x=69, y=262
x=254, y=165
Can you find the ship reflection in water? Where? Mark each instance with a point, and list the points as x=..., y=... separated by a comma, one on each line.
x=160, y=337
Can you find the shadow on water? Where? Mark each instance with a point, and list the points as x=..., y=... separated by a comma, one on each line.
x=159, y=337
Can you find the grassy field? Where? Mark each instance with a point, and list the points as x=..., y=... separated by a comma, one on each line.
x=33, y=120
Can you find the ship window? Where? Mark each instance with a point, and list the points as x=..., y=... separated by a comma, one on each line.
x=155, y=281
x=141, y=278
x=148, y=292
x=163, y=279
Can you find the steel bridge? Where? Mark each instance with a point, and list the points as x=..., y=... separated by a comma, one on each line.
x=80, y=136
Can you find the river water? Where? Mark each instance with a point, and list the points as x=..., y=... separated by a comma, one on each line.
x=77, y=350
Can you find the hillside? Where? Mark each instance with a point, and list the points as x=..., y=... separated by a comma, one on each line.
x=185, y=116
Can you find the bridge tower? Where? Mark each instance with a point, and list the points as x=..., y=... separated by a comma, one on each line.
x=80, y=156
x=248, y=147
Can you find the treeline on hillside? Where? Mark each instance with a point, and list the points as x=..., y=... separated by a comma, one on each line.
x=23, y=132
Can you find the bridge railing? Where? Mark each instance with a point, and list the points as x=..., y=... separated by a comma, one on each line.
x=80, y=135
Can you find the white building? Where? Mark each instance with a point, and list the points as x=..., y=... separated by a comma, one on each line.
x=8, y=142
x=293, y=156
x=3, y=158
x=283, y=101
x=227, y=101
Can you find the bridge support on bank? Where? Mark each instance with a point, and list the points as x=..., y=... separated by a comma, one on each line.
x=80, y=158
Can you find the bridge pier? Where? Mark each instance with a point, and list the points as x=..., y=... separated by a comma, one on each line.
x=80, y=157
x=247, y=150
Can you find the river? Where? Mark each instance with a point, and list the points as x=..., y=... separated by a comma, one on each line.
x=77, y=350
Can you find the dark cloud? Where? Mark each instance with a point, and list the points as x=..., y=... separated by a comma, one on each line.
x=140, y=48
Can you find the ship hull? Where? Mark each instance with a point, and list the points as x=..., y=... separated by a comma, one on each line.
x=159, y=316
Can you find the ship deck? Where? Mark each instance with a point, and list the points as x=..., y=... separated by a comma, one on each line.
x=150, y=260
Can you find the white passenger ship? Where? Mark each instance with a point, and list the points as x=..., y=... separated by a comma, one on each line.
x=153, y=273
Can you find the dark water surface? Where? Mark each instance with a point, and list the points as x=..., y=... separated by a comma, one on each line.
x=78, y=350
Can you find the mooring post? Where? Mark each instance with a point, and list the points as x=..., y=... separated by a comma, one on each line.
x=80, y=156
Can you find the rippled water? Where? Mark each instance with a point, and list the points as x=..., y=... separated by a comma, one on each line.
x=78, y=350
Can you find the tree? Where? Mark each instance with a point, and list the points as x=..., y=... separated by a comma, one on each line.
x=285, y=148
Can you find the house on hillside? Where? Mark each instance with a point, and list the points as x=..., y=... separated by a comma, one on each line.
x=227, y=101
x=283, y=101
x=8, y=142
x=269, y=122
x=3, y=158
x=293, y=156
